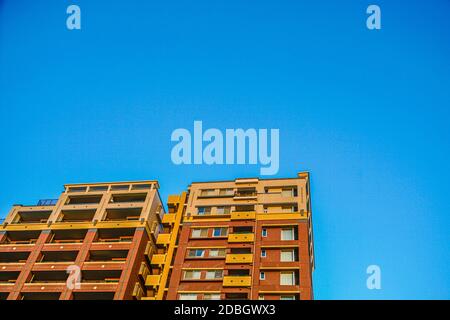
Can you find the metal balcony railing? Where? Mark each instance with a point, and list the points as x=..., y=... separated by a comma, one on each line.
x=47, y=202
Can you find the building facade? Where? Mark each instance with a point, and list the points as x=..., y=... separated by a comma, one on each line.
x=91, y=243
x=245, y=239
x=240, y=239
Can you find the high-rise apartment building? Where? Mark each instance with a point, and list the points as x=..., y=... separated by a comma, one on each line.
x=245, y=239
x=100, y=234
x=240, y=239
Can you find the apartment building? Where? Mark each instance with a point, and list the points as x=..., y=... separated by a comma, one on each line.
x=240, y=239
x=101, y=235
x=244, y=239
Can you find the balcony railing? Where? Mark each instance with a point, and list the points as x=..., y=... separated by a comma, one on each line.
x=245, y=194
x=239, y=258
x=153, y=280
x=243, y=215
x=47, y=202
x=163, y=238
x=237, y=281
x=158, y=259
x=168, y=218
x=241, y=237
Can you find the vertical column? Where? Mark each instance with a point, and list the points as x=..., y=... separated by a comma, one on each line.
x=66, y=294
x=134, y=258
x=147, y=205
x=100, y=213
x=26, y=270
x=58, y=208
x=175, y=278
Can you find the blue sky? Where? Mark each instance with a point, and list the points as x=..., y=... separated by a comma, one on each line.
x=366, y=112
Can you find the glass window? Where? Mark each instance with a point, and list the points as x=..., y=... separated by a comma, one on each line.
x=287, y=234
x=217, y=252
x=287, y=255
x=199, y=233
x=208, y=192
x=211, y=296
x=192, y=274
x=220, y=232
x=287, y=209
x=196, y=253
x=287, y=278
x=262, y=275
x=223, y=210
x=187, y=296
x=261, y=297
x=226, y=192
x=214, y=274
x=203, y=210
x=287, y=192
x=263, y=253
x=264, y=232
x=289, y=297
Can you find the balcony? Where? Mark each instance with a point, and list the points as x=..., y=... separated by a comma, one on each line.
x=245, y=193
x=158, y=259
x=243, y=215
x=173, y=199
x=123, y=214
x=144, y=272
x=239, y=258
x=115, y=235
x=35, y=217
x=241, y=237
x=101, y=276
x=237, y=281
x=21, y=237
x=153, y=280
x=138, y=292
x=168, y=218
x=163, y=238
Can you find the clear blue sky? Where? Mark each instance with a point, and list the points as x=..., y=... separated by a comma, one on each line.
x=366, y=112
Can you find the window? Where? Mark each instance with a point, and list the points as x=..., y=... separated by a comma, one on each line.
x=211, y=296
x=217, y=252
x=214, y=274
x=289, y=297
x=264, y=232
x=192, y=275
x=287, y=234
x=287, y=255
x=220, y=232
x=287, y=192
x=187, y=296
x=199, y=233
x=287, y=209
x=223, y=210
x=197, y=253
x=287, y=278
x=226, y=192
x=262, y=275
x=261, y=297
x=208, y=192
x=203, y=210
x=263, y=253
